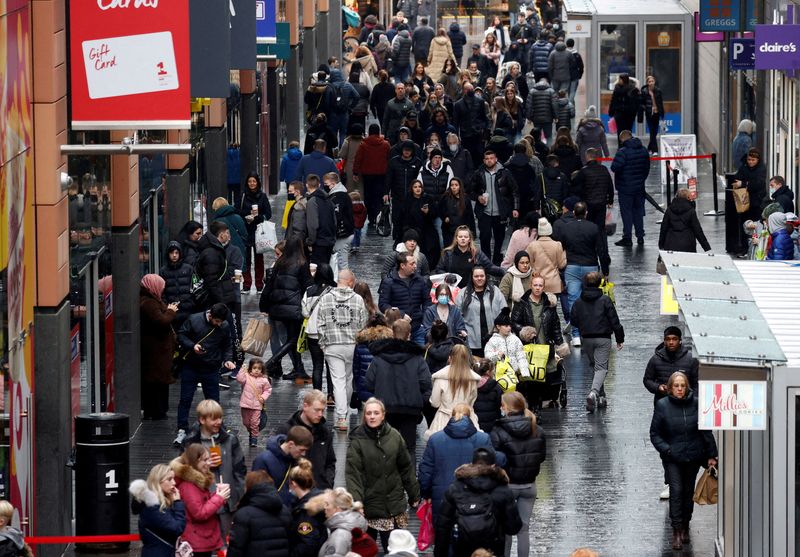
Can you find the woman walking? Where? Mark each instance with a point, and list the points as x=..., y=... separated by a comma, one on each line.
x=454, y=384
x=307, y=531
x=162, y=518
x=653, y=109
x=514, y=283
x=261, y=521
x=480, y=303
x=445, y=311
x=462, y=255
x=254, y=208
x=455, y=210
x=680, y=228
x=548, y=258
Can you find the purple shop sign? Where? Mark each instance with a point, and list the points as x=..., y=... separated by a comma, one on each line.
x=777, y=47
x=706, y=37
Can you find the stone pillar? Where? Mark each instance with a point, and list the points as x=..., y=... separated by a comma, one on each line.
x=310, y=63
x=248, y=150
x=323, y=40
x=216, y=164
x=272, y=99
x=335, y=29
x=179, y=202
x=294, y=95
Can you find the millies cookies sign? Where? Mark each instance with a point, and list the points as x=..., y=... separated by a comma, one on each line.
x=130, y=64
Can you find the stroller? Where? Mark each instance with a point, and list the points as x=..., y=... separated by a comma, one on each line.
x=554, y=387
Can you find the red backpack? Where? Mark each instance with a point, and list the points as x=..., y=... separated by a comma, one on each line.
x=363, y=544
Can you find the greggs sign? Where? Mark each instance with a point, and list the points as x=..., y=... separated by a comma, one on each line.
x=130, y=64
x=777, y=47
x=734, y=405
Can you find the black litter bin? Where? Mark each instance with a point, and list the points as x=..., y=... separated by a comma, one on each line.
x=102, y=456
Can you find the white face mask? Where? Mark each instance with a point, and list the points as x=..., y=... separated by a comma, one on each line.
x=453, y=147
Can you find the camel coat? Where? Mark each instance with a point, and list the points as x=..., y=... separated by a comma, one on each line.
x=440, y=51
x=547, y=258
x=444, y=401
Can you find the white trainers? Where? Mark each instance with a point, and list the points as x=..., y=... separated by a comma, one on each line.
x=180, y=438
x=342, y=424
x=576, y=342
x=664, y=493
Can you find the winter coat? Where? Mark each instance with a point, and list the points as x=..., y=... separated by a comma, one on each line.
x=742, y=143
x=393, y=116
x=569, y=161
x=440, y=51
x=317, y=163
x=487, y=405
x=178, y=279
x=421, y=41
x=307, y=530
x=455, y=321
x=541, y=105
x=277, y=464
x=494, y=301
x=342, y=210
x=158, y=339
x=528, y=185
x=782, y=247
x=520, y=81
x=246, y=202
x=415, y=218
x=399, y=376
x=435, y=182
x=631, y=167
x=447, y=265
x=361, y=105
x=216, y=341
x=457, y=40
x=236, y=226
x=284, y=297
x=445, y=452
x=524, y=445
x=348, y=154
x=474, y=479
x=593, y=184
x=410, y=296
x=784, y=196
x=212, y=267
x=469, y=116
x=595, y=316
x=340, y=539
x=505, y=189
x=289, y=163
x=390, y=262
x=321, y=454
x=674, y=432
x=680, y=228
x=362, y=358
x=591, y=134
x=296, y=223
x=372, y=156
x=624, y=102
x=255, y=390
x=379, y=471
x=202, y=523
x=548, y=258
x=340, y=90
x=755, y=180
x=663, y=364
x=158, y=529
x=444, y=400
x=314, y=132
x=539, y=57
x=382, y=93
x=451, y=219
x=462, y=164
x=233, y=468
x=401, y=49
x=260, y=526
x=559, y=63
x=315, y=99
x=647, y=102
x=584, y=244
x=510, y=347
x=190, y=251
x=400, y=174
x=522, y=316
x=555, y=184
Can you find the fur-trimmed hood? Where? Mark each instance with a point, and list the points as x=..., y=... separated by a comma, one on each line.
x=143, y=494
x=371, y=334
x=481, y=477
x=186, y=473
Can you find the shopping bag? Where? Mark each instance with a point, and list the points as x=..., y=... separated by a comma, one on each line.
x=607, y=288
x=706, y=491
x=266, y=237
x=256, y=336
x=262, y=420
x=612, y=125
x=302, y=338
x=425, y=515
x=611, y=222
x=383, y=224
x=505, y=375
x=538, y=356
x=741, y=198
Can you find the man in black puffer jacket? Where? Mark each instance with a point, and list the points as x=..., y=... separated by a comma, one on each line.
x=541, y=107
x=177, y=276
x=321, y=222
x=480, y=503
x=408, y=291
x=593, y=184
x=260, y=526
x=402, y=170
x=399, y=376
x=212, y=265
x=469, y=118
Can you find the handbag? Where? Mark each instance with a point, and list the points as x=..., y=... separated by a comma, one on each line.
x=383, y=224
x=266, y=237
x=256, y=336
x=538, y=355
x=611, y=222
x=707, y=490
x=426, y=532
x=741, y=197
x=612, y=125
x=661, y=267
x=199, y=290
x=182, y=547
x=607, y=288
x=180, y=355
x=505, y=375
x=302, y=338
x=551, y=209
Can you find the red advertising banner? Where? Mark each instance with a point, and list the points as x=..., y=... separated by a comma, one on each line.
x=130, y=64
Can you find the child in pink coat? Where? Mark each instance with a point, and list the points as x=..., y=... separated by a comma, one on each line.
x=256, y=389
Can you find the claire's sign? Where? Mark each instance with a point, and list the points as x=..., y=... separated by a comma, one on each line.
x=733, y=405
x=777, y=47
x=130, y=64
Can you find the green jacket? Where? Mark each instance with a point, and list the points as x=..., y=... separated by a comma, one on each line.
x=379, y=471
x=236, y=226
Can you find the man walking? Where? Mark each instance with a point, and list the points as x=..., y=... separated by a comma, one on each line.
x=321, y=222
x=595, y=187
x=407, y=291
x=576, y=70
x=493, y=188
x=541, y=108
x=395, y=112
x=343, y=215
x=421, y=41
x=403, y=169
x=283, y=451
x=469, y=118
x=316, y=162
x=585, y=247
x=205, y=342
x=341, y=314
x=369, y=169
x=631, y=167
x=211, y=264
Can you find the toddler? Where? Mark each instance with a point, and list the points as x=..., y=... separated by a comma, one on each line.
x=359, y=218
x=504, y=343
x=12, y=542
x=256, y=389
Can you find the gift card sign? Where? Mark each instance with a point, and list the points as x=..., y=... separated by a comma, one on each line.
x=130, y=65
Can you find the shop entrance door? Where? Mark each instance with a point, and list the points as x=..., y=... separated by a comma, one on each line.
x=152, y=235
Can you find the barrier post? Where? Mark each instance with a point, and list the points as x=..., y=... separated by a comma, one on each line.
x=675, y=173
x=716, y=212
x=669, y=182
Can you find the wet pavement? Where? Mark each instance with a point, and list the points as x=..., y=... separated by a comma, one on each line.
x=600, y=484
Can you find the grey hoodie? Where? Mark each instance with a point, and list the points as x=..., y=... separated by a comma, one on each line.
x=559, y=63
x=340, y=539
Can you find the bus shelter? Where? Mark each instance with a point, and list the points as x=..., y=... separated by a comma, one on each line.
x=618, y=36
x=741, y=317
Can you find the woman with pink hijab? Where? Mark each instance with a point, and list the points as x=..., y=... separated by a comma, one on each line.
x=157, y=347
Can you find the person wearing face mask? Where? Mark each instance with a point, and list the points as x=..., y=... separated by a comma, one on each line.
x=445, y=311
x=780, y=193
x=460, y=158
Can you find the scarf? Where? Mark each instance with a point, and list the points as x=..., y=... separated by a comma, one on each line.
x=517, y=288
x=154, y=284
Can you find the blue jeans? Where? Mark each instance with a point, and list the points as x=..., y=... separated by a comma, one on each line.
x=401, y=73
x=209, y=380
x=573, y=274
x=631, y=209
x=561, y=85
x=337, y=122
x=356, y=238
x=573, y=88
x=418, y=334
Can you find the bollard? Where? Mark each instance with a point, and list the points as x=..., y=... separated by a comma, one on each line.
x=716, y=212
x=669, y=182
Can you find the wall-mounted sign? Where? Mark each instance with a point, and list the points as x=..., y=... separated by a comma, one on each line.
x=777, y=47
x=732, y=405
x=210, y=22
x=579, y=28
x=243, y=34
x=130, y=65
x=679, y=145
x=742, y=54
x=720, y=15
x=700, y=37
x=265, y=21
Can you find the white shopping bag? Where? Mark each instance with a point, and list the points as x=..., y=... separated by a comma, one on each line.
x=266, y=237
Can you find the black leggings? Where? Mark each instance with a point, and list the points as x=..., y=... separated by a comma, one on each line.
x=290, y=347
x=383, y=535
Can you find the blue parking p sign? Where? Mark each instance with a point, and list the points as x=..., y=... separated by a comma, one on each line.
x=742, y=54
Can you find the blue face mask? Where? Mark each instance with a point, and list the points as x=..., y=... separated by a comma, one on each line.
x=443, y=299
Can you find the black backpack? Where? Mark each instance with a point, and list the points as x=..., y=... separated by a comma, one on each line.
x=341, y=100
x=476, y=519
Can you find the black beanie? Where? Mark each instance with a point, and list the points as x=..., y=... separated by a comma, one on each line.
x=673, y=330
x=503, y=318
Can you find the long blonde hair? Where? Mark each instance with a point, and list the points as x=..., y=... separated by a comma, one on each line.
x=473, y=248
x=515, y=403
x=459, y=377
x=158, y=474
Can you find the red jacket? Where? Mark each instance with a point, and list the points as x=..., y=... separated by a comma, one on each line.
x=359, y=214
x=372, y=157
x=202, y=522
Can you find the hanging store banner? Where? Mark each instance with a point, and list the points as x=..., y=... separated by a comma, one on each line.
x=130, y=64
x=266, y=31
x=210, y=37
x=579, y=28
x=777, y=47
x=243, y=34
x=720, y=15
x=700, y=37
x=742, y=54
x=733, y=405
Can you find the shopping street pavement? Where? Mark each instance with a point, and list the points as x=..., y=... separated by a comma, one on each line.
x=600, y=483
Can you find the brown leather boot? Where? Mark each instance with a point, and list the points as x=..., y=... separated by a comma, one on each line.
x=685, y=534
x=676, y=539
